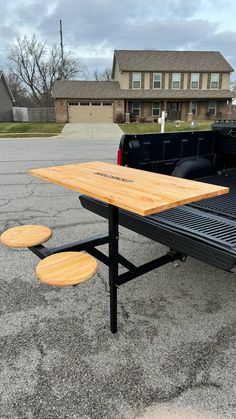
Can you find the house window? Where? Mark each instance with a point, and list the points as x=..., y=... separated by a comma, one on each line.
x=214, y=81
x=176, y=80
x=136, y=108
x=136, y=81
x=157, y=77
x=193, y=108
x=194, y=81
x=212, y=107
x=156, y=109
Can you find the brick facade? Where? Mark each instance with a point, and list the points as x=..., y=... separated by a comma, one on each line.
x=118, y=108
x=61, y=110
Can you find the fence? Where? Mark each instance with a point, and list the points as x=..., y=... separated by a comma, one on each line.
x=33, y=114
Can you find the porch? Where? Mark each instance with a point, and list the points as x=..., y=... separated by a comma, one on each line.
x=146, y=110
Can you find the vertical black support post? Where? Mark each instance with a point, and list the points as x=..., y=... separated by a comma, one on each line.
x=113, y=213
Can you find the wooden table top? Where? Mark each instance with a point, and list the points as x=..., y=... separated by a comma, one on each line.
x=138, y=191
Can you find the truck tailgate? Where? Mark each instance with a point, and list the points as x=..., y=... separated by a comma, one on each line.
x=195, y=231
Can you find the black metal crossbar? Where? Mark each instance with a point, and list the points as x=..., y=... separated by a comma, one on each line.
x=40, y=251
x=147, y=267
x=112, y=260
x=86, y=244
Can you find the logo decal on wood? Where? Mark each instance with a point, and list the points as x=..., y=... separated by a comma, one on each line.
x=121, y=179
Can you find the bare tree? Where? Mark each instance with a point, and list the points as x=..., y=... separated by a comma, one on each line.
x=20, y=93
x=37, y=66
x=103, y=75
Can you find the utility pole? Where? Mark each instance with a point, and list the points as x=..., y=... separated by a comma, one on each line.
x=62, y=50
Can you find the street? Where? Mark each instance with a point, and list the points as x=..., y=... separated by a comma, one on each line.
x=175, y=344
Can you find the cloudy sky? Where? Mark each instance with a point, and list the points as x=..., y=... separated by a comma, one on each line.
x=92, y=29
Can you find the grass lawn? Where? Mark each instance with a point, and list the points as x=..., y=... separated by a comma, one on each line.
x=138, y=128
x=29, y=129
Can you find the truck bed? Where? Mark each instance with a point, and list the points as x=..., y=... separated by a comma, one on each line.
x=205, y=230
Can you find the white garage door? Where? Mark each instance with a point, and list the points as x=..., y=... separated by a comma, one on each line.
x=97, y=111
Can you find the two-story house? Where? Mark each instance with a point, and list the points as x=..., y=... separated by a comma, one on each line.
x=144, y=83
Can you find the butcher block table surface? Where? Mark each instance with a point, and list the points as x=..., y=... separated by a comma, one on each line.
x=138, y=191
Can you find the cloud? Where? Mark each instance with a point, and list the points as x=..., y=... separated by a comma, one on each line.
x=94, y=28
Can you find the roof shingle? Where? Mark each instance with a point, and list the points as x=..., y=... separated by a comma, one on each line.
x=73, y=89
x=86, y=89
x=153, y=60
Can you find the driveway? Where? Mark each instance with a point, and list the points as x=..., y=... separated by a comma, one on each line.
x=92, y=131
x=175, y=348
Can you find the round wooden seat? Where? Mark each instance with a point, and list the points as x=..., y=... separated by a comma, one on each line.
x=26, y=236
x=66, y=268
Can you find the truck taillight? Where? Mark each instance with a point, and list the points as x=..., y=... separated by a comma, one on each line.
x=119, y=157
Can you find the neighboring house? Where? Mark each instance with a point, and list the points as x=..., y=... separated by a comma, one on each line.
x=147, y=82
x=233, y=115
x=6, y=100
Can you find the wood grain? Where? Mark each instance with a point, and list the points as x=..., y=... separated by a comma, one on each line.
x=67, y=268
x=135, y=190
x=26, y=236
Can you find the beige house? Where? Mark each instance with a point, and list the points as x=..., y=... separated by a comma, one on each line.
x=144, y=83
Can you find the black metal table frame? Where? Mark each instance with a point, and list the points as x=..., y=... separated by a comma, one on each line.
x=113, y=259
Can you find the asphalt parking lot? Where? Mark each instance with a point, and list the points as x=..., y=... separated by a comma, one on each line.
x=175, y=348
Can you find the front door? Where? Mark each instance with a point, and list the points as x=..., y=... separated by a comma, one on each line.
x=173, y=110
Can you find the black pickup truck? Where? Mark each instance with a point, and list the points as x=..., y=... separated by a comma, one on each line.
x=205, y=230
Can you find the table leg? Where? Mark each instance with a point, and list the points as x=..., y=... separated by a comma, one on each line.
x=113, y=213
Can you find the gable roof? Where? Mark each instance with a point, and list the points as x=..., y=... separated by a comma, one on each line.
x=153, y=60
x=3, y=78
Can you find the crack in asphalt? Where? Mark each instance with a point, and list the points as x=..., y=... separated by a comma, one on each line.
x=104, y=282
x=125, y=313
x=21, y=197
x=78, y=224
x=194, y=358
x=5, y=203
x=23, y=210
